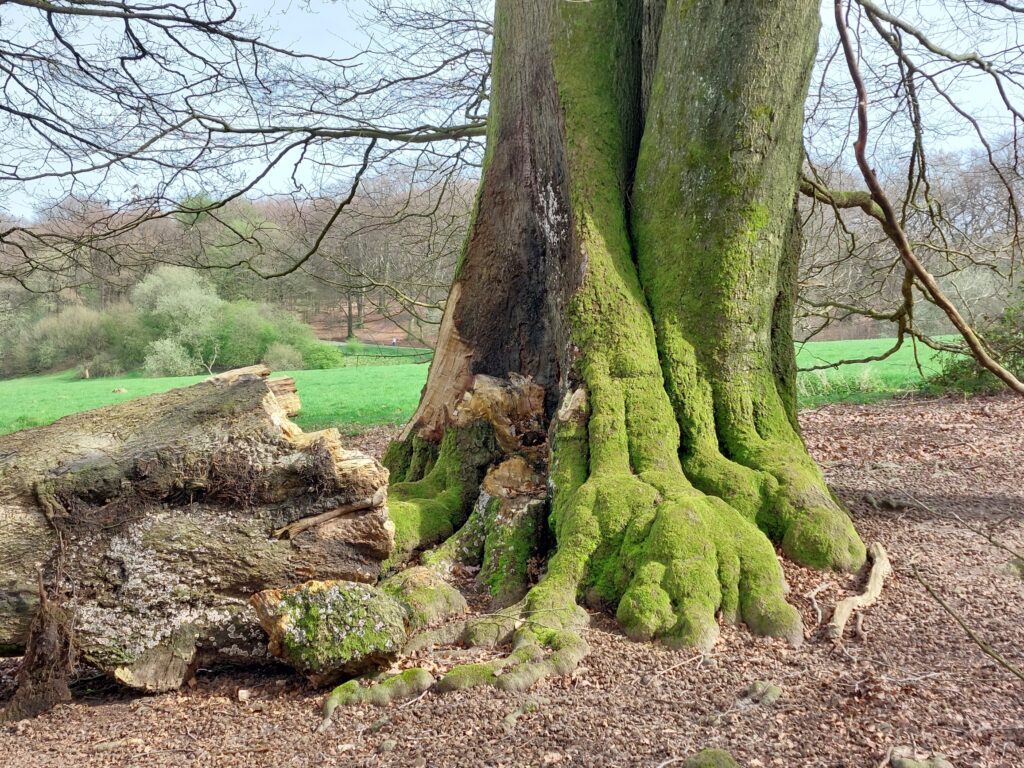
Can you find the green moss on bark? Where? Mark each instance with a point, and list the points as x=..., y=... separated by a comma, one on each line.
x=514, y=534
x=426, y=595
x=429, y=510
x=713, y=220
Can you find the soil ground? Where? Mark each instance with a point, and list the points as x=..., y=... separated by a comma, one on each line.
x=926, y=478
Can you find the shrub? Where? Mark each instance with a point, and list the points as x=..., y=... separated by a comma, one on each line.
x=166, y=357
x=320, y=355
x=126, y=337
x=283, y=357
x=242, y=332
x=103, y=364
x=962, y=373
x=65, y=338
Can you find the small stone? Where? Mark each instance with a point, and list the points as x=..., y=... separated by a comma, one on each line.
x=388, y=745
x=244, y=694
x=711, y=758
x=763, y=692
x=419, y=762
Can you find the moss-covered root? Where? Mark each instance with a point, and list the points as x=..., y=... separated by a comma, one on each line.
x=403, y=685
x=428, y=510
x=427, y=598
x=536, y=654
x=543, y=629
x=635, y=536
x=711, y=758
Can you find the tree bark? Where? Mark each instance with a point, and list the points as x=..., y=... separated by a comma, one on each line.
x=153, y=521
x=632, y=254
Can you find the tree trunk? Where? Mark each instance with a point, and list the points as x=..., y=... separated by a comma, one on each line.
x=632, y=254
x=153, y=521
x=349, y=319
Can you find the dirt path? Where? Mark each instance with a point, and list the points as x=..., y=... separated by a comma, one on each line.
x=904, y=469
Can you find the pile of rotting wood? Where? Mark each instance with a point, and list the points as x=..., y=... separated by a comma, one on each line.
x=133, y=537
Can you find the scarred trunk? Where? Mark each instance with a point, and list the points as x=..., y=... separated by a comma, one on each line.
x=632, y=254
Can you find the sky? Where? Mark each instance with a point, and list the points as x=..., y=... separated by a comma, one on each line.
x=323, y=27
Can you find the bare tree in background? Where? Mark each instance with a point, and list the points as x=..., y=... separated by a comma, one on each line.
x=147, y=112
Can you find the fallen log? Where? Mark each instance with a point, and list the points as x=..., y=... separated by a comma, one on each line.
x=153, y=521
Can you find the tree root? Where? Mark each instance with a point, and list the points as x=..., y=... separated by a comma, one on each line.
x=48, y=664
x=880, y=569
x=380, y=692
x=536, y=654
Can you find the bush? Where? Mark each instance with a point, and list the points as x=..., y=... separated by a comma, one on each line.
x=283, y=357
x=167, y=357
x=962, y=373
x=176, y=325
x=104, y=364
x=320, y=355
x=64, y=339
x=126, y=336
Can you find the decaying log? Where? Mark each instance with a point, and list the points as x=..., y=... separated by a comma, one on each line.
x=880, y=570
x=154, y=520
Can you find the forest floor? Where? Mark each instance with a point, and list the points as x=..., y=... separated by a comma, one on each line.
x=936, y=481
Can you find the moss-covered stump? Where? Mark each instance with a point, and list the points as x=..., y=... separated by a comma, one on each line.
x=331, y=630
x=426, y=597
x=173, y=509
x=505, y=531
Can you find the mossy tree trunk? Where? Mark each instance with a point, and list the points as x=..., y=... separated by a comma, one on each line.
x=632, y=254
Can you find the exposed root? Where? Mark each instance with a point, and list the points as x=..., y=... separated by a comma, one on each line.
x=880, y=570
x=636, y=535
x=536, y=654
x=48, y=663
x=378, y=692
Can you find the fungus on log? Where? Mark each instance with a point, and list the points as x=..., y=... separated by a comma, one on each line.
x=152, y=522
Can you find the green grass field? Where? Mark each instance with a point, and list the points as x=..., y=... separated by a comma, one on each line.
x=345, y=397
x=367, y=395
x=861, y=382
